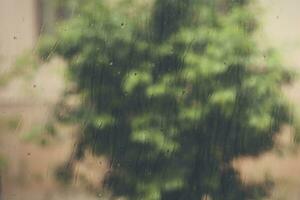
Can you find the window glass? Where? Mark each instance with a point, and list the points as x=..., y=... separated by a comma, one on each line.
x=149, y=99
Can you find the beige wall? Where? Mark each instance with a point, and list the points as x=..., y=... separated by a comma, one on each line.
x=18, y=29
x=282, y=27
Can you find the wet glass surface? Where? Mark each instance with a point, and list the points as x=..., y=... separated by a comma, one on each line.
x=149, y=100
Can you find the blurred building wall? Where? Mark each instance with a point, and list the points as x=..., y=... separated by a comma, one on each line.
x=20, y=21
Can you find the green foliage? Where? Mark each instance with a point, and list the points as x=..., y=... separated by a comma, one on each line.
x=10, y=123
x=40, y=134
x=173, y=99
x=24, y=66
x=3, y=163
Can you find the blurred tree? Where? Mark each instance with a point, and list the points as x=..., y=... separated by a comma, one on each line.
x=172, y=94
